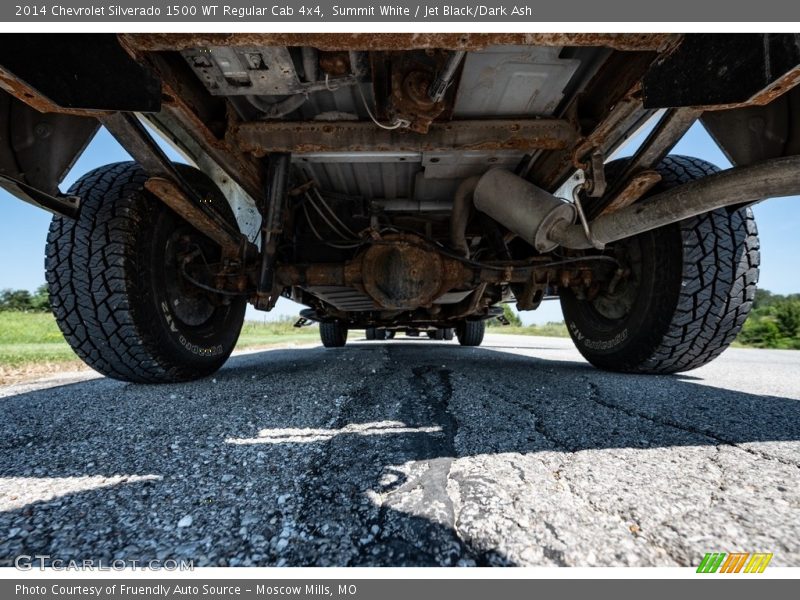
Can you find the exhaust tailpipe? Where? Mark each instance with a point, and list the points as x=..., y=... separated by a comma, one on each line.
x=547, y=222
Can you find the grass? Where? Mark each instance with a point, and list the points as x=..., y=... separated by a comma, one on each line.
x=256, y=334
x=31, y=337
x=552, y=329
x=31, y=343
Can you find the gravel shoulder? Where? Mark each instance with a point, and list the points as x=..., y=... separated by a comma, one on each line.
x=408, y=452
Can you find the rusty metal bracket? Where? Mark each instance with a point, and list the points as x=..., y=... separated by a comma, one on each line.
x=596, y=180
x=671, y=127
x=131, y=134
x=262, y=138
x=636, y=187
x=532, y=294
x=576, y=200
x=638, y=176
x=232, y=244
x=67, y=206
x=169, y=185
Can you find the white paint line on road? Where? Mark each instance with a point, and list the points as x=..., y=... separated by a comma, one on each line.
x=16, y=492
x=309, y=435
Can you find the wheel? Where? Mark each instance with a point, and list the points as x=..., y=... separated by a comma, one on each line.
x=438, y=334
x=431, y=334
x=370, y=333
x=448, y=333
x=690, y=289
x=389, y=334
x=470, y=333
x=380, y=333
x=333, y=333
x=117, y=291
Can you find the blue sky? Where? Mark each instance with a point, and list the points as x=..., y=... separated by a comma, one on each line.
x=23, y=228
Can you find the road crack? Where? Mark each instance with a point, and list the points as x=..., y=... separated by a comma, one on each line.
x=594, y=396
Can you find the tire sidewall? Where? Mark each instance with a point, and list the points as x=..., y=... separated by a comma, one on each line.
x=204, y=346
x=622, y=344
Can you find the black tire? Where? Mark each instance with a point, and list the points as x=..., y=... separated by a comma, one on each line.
x=470, y=333
x=389, y=334
x=448, y=333
x=333, y=333
x=694, y=288
x=114, y=286
x=380, y=334
x=370, y=333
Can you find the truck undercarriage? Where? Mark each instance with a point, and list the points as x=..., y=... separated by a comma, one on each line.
x=399, y=182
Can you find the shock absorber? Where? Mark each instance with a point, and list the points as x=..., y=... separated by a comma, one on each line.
x=273, y=210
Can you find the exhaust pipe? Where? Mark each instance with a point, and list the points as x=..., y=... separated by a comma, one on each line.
x=462, y=205
x=538, y=217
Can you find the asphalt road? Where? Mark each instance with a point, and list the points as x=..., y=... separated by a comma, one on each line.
x=409, y=453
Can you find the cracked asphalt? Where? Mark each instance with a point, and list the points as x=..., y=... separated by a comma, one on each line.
x=408, y=452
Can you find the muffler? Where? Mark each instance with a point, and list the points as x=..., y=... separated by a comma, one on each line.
x=522, y=207
x=547, y=222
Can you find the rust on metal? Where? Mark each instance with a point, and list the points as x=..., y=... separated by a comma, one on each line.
x=637, y=177
x=636, y=187
x=411, y=79
x=402, y=272
x=160, y=42
x=171, y=195
x=261, y=138
x=410, y=100
x=335, y=64
x=184, y=103
x=779, y=87
x=611, y=100
x=469, y=305
x=620, y=112
x=36, y=100
x=238, y=166
x=628, y=110
x=670, y=128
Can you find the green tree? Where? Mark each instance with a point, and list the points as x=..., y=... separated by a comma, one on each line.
x=15, y=300
x=510, y=314
x=787, y=318
x=761, y=333
x=763, y=299
x=41, y=299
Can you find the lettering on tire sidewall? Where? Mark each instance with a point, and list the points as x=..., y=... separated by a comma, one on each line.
x=196, y=349
x=597, y=344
